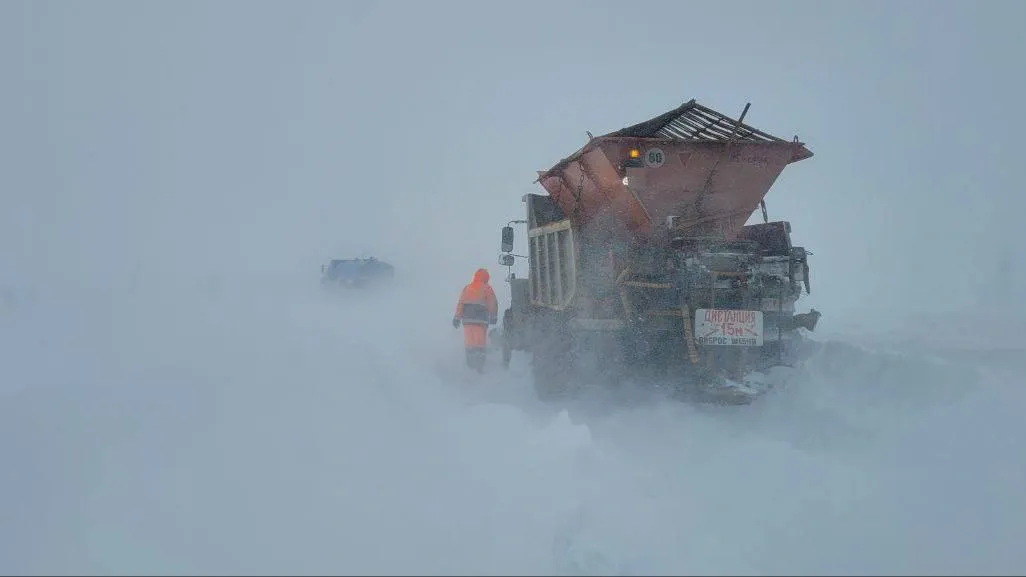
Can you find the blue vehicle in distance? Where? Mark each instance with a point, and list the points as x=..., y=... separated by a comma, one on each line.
x=356, y=272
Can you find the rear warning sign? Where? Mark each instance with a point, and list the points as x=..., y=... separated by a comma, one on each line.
x=728, y=327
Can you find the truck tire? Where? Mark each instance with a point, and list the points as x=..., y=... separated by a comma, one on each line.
x=551, y=370
x=597, y=359
x=565, y=366
x=550, y=373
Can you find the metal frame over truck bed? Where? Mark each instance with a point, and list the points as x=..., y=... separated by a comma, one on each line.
x=640, y=262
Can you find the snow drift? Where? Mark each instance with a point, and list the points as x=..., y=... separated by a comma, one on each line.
x=273, y=427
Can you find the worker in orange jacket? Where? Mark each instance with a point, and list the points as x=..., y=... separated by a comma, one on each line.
x=476, y=309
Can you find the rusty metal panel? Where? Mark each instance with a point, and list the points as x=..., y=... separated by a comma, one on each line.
x=590, y=187
x=705, y=183
x=711, y=173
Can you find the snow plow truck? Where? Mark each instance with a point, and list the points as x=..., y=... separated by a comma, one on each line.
x=641, y=266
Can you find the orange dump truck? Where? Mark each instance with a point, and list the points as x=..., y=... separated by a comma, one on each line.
x=641, y=265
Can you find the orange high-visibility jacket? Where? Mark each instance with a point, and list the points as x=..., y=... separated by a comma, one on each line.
x=477, y=304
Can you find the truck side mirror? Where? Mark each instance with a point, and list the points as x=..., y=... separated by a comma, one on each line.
x=507, y=239
x=322, y=269
x=507, y=260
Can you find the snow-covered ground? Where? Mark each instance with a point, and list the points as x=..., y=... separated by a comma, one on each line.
x=267, y=427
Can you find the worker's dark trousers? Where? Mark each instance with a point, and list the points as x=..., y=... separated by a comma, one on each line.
x=476, y=358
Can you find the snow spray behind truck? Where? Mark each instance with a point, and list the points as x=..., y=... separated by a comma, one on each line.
x=641, y=265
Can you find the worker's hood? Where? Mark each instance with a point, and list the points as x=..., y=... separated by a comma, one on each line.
x=481, y=276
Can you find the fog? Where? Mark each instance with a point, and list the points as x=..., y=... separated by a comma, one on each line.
x=180, y=396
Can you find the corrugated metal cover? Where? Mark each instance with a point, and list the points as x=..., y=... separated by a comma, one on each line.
x=692, y=121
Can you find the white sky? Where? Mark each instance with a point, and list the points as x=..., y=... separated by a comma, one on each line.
x=189, y=137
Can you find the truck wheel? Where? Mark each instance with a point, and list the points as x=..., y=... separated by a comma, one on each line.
x=507, y=354
x=550, y=370
x=598, y=359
